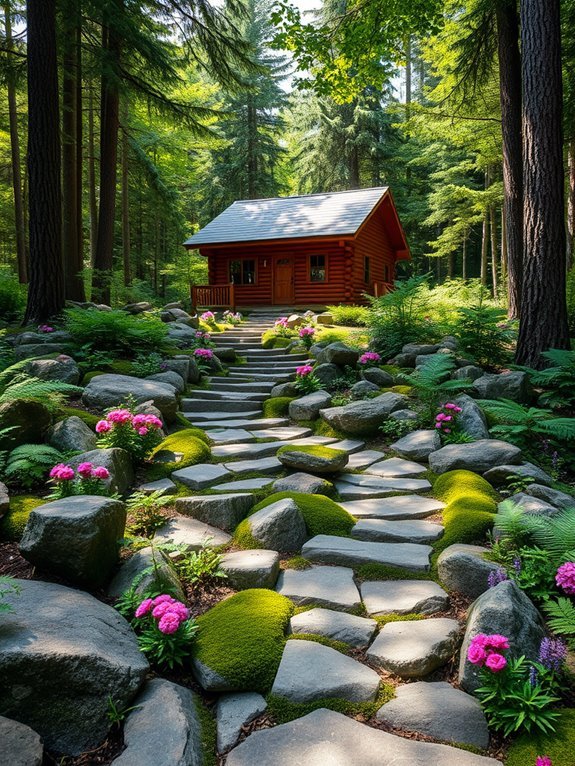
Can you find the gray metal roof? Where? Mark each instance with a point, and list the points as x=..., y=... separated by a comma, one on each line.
x=307, y=215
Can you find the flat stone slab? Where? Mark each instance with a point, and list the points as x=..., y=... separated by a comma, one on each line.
x=379, y=482
x=251, y=569
x=218, y=415
x=415, y=648
x=363, y=459
x=332, y=587
x=201, y=476
x=339, y=626
x=265, y=465
x=246, y=423
x=327, y=738
x=165, y=486
x=397, y=467
x=384, y=531
x=21, y=746
x=437, y=710
x=403, y=597
x=354, y=492
x=351, y=446
x=479, y=456
x=417, y=445
x=279, y=526
x=231, y=435
x=232, y=712
x=223, y=510
x=309, y=671
x=396, y=508
x=244, y=485
x=282, y=434
x=192, y=533
x=258, y=449
x=303, y=482
x=329, y=549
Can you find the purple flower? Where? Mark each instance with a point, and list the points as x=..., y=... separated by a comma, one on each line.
x=517, y=564
x=552, y=653
x=497, y=576
x=533, y=675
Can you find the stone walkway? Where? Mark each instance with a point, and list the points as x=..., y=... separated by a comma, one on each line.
x=388, y=500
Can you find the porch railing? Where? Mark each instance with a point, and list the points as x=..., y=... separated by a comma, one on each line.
x=381, y=288
x=213, y=297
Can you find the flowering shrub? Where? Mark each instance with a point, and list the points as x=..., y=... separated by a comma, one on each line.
x=514, y=693
x=208, y=316
x=306, y=335
x=232, y=318
x=204, y=353
x=165, y=630
x=543, y=760
x=565, y=577
x=137, y=434
x=446, y=418
x=87, y=479
x=281, y=328
x=369, y=359
x=45, y=328
x=496, y=576
x=305, y=381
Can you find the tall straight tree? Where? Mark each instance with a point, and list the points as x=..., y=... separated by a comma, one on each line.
x=46, y=290
x=544, y=322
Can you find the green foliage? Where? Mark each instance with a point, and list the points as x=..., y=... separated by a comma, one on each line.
x=307, y=384
x=561, y=617
x=483, y=333
x=208, y=733
x=12, y=296
x=28, y=464
x=339, y=646
x=554, y=534
x=165, y=650
x=145, y=512
x=384, y=619
x=277, y=406
x=297, y=562
x=368, y=572
x=431, y=382
x=558, y=745
x=284, y=711
x=7, y=587
x=66, y=412
x=242, y=638
x=313, y=450
x=186, y=443
x=396, y=429
x=558, y=378
x=350, y=316
x=13, y=523
x=146, y=364
x=321, y=515
x=16, y=384
x=116, y=330
x=200, y=568
x=517, y=423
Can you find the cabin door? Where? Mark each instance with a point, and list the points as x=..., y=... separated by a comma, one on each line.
x=283, y=281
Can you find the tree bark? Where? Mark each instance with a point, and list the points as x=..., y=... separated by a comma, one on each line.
x=19, y=223
x=125, y=197
x=571, y=204
x=511, y=131
x=464, y=257
x=494, y=251
x=46, y=290
x=544, y=307
x=252, y=164
x=503, y=246
x=484, y=246
x=92, y=197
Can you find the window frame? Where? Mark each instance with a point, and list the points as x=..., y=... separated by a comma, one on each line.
x=323, y=281
x=367, y=270
x=241, y=261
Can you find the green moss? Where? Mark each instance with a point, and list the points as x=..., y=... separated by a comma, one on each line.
x=13, y=523
x=559, y=745
x=210, y=327
x=321, y=515
x=242, y=638
x=90, y=375
x=403, y=390
x=243, y=537
x=208, y=733
x=454, y=484
x=321, y=428
x=315, y=450
x=67, y=412
x=121, y=366
x=297, y=562
x=284, y=711
x=277, y=406
x=193, y=430
x=339, y=646
x=268, y=339
x=386, y=572
x=383, y=619
x=192, y=449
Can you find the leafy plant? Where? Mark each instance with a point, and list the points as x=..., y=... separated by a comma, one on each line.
x=554, y=534
x=534, y=572
x=558, y=378
x=431, y=382
x=89, y=358
x=395, y=429
x=115, y=330
x=146, y=364
x=7, y=586
x=28, y=464
x=15, y=384
x=517, y=423
x=344, y=381
x=483, y=333
x=137, y=434
x=145, y=512
x=116, y=715
x=517, y=483
x=200, y=568
x=306, y=382
x=350, y=316
x=560, y=615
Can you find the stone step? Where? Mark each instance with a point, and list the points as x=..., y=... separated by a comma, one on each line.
x=339, y=626
x=263, y=449
x=345, y=551
x=217, y=416
x=230, y=395
x=194, y=534
x=256, y=356
x=259, y=367
x=231, y=435
x=363, y=459
x=281, y=377
x=201, y=476
x=229, y=384
x=384, y=531
x=221, y=405
x=403, y=597
x=248, y=425
x=245, y=485
x=266, y=466
x=224, y=511
x=331, y=587
x=396, y=508
x=396, y=467
x=282, y=434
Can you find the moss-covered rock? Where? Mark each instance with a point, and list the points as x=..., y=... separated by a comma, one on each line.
x=178, y=450
x=241, y=640
x=321, y=515
x=559, y=745
x=13, y=523
x=277, y=406
x=313, y=458
x=67, y=412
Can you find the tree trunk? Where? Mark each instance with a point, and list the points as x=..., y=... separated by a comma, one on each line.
x=109, y=125
x=251, y=117
x=80, y=155
x=354, y=180
x=503, y=245
x=92, y=198
x=408, y=77
x=46, y=290
x=125, y=197
x=511, y=130
x=72, y=215
x=464, y=257
x=494, y=251
x=450, y=263
x=484, y=246
x=571, y=204
x=19, y=223
x=544, y=307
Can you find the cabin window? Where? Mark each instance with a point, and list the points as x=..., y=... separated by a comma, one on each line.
x=366, y=270
x=243, y=272
x=386, y=273
x=317, y=271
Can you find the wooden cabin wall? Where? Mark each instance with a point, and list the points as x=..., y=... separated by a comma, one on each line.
x=372, y=241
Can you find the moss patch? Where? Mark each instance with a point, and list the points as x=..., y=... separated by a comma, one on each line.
x=321, y=515
x=297, y=562
x=339, y=646
x=242, y=638
x=284, y=711
x=208, y=733
x=277, y=406
x=90, y=375
x=386, y=572
x=185, y=442
x=321, y=428
x=559, y=745
x=67, y=412
x=315, y=450
x=13, y=523
x=383, y=619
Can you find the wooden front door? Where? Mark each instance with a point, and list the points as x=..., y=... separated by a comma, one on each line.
x=283, y=281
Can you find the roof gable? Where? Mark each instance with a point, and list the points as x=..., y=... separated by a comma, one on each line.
x=309, y=215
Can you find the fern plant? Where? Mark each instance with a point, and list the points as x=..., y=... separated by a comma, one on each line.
x=7, y=586
x=52, y=393
x=28, y=464
x=554, y=534
x=432, y=384
x=517, y=424
x=482, y=332
x=561, y=617
x=145, y=512
x=558, y=378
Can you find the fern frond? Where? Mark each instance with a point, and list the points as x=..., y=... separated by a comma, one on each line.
x=35, y=451
x=10, y=372
x=50, y=392
x=555, y=533
x=560, y=616
x=561, y=428
x=508, y=411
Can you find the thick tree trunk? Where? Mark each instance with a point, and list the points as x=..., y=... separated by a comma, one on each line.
x=46, y=290
x=92, y=197
x=544, y=308
x=503, y=246
x=19, y=223
x=354, y=180
x=484, y=247
x=494, y=251
x=125, y=196
x=510, y=98
x=252, y=164
x=109, y=126
x=80, y=154
x=571, y=204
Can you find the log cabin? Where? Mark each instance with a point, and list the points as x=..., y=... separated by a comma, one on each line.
x=309, y=250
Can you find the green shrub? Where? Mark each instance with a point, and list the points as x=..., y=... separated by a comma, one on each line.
x=28, y=464
x=483, y=333
x=558, y=745
x=277, y=406
x=185, y=442
x=12, y=296
x=350, y=316
x=13, y=523
x=350, y=337
x=242, y=638
x=116, y=330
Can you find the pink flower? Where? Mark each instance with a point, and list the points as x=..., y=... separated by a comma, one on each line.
x=102, y=427
x=496, y=662
x=304, y=370
x=480, y=640
x=161, y=609
x=208, y=316
x=543, y=760
x=306, y=331
x=162, y=598
x=119, y=416
x=282, y=322
x=565, y=577
x=438, y=424
x=144, y=607
x=153, y=422
x=45, y=328
x=449, y=406
x=101, y=473
x=62, y=472
x=169, y=623
x=142, y=431
x=476, y=654
x=204, y=353
x=139, y=420
x=180, y=609
x=85, y=470
x=497, y=641
x=370, y=357
x=447, y=430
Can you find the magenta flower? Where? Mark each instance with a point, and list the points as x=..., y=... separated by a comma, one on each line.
x=281, y=322
x=45, y=328
x=304, y=370
x=497, y=641
x=153, y=422
x=370, y=357
x=306, y=332
x=85, y=470
x=476, y=654
x=565, y=577
x=139, y=420
x=208, y=316
x=204, y=353
x=144, y=607
x=543, y=760
x=62, y=472
x=142, y=431
x=101, y=473
x=162, y=598
x=169, y=623
x=102, y=427
x=120, y=416
x=496, y=662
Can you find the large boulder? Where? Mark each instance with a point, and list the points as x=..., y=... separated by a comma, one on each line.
x=116, y=460
x=279, y=526
x=71, y=435
x=106, y=391
x=471, y=419
x=363, y=417
x=43, y=338
x=313, y=459
x=327, y=373
x=417, y=445
x=381, y=378
x=137, y=308
x=560, y=500
x=469, y=372
x=28, y=419
x=284, y=389
x=363, y=389
x=33, y=350
x=308, y=407
x=63, y=656
x=76, y=538
x=5, y=499
x=63, y=369
x=20, y=745
x=146, y=570
x=477, y=456
x=508, y=385
x=464, y=568
x=179, y=365
x=163, y=727
x=340, y=354
x=500, y=475
x=170, y=377
x=506, y=610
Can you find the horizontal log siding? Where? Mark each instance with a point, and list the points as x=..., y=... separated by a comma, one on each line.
x=372, y=241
